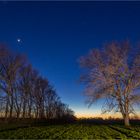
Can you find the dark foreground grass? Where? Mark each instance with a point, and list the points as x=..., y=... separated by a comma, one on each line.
x=69, y=131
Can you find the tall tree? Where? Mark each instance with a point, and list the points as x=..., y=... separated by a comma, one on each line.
x=113, y=73
x=26, y=88
x=9, y=65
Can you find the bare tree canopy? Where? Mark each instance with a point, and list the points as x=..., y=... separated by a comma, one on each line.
x=113, y=73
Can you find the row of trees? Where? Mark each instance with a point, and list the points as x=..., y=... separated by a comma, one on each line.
x=24, y=93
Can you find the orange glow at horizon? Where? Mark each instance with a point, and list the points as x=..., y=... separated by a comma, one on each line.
x=104, y=116
x=85, y=112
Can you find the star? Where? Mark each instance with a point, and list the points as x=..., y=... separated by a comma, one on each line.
x=18, y=40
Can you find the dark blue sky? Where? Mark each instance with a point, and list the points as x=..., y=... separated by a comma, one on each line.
x=55, y=34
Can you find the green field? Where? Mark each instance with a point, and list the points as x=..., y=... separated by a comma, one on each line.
x=70, y=131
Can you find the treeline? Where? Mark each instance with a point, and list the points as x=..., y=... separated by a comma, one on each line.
x=109, y=120
x=24, y=93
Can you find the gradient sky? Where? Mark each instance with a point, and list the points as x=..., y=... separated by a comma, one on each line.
x=55, y=34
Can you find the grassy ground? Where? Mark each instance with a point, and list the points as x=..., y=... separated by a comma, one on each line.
x=69, y=131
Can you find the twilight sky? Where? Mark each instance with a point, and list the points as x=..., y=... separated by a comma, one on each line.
x=55, y=34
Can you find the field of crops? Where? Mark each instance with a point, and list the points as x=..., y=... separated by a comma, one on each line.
x=70, y=131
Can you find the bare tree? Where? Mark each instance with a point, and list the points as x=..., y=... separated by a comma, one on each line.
x=39, y=96
x=9, y=65
x=113, y=73
x=26, y=88
x=51, y=100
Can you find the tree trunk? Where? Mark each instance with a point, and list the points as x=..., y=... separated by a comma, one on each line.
x=36, y=116
x=11, y=107
x=29, y=109
x=24, y=108
x=126, y=120
x=7, y=108
x=18, y=114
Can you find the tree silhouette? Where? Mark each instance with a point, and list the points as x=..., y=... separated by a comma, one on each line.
x=113, y=73
x=24, y=93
